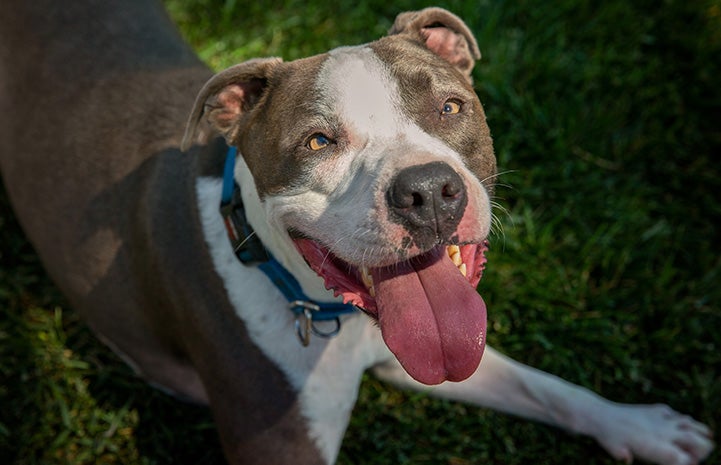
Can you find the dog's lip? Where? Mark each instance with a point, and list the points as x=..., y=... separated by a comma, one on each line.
x=347, y=279
x=343, y=278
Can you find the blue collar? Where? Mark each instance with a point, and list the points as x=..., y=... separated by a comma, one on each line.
x=250, y=250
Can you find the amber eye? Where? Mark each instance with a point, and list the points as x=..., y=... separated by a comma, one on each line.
x=318, y=142
x=451, y=107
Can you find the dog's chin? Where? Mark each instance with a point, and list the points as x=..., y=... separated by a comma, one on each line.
x=428, y=310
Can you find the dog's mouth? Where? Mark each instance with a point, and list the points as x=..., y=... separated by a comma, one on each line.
x=427, y=307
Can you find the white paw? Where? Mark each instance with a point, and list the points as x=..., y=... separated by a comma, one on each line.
x=653, y=433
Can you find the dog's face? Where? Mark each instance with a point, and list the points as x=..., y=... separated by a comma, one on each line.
x=377, y=161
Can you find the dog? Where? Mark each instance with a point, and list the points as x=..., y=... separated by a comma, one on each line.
x=310, y=220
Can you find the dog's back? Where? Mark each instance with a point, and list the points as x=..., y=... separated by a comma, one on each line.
x=90, y=81
x=93, y=102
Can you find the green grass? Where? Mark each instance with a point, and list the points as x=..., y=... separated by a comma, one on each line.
x=605, y=117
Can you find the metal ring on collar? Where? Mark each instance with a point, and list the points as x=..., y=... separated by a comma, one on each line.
x=304, y=330
x=305, y=310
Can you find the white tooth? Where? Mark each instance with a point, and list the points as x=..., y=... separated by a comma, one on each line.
x=462, y=268
x=372, y=291
x=366, y=278
x=456, y=259
x=452, y=250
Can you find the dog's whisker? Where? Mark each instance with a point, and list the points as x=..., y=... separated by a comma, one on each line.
x=252, y=233
x=497, y=227
x=363, y=257
x=496, y=206
x=360, y=251
x=329, y=252
x=497, y=175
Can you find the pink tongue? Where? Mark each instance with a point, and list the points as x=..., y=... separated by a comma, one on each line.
x=431, y=318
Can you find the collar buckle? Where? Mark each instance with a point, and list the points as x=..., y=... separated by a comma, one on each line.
x=246, y=244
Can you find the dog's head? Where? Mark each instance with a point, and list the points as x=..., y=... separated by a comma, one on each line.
x=376, y=161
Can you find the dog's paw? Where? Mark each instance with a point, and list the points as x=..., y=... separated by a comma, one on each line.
x=653, y=433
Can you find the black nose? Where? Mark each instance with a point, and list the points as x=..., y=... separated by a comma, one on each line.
x=428, y=199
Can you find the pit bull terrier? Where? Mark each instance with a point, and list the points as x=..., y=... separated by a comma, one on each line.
x=343, y=230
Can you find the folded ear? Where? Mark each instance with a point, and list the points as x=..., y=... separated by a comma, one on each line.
x=443, y=33
x=227, y=96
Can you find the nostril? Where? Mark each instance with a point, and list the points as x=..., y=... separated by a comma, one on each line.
x=404, y=199
x=417, y=200
x=450, y=190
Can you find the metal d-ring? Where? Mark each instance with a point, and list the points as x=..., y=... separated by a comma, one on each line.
x=306, y=327
x=327, y=334
x=304, y=330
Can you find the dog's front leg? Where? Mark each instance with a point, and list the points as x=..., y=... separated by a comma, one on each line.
x=655, y=433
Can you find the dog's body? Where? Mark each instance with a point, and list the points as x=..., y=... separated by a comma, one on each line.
x=342, y=150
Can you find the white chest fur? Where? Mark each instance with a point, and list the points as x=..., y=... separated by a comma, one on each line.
x=327, y=373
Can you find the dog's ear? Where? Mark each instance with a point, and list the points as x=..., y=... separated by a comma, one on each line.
x=227, y=96
x=443, y=33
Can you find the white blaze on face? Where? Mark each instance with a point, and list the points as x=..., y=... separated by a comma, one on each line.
x=357, y=85
x=359, y=89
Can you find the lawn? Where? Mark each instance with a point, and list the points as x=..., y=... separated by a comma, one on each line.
x=605, y=266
